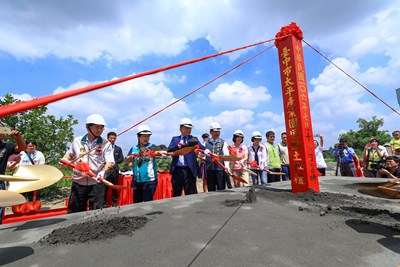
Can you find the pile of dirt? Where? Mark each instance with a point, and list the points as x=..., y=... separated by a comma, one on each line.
x=94, y=230
x=366, y=210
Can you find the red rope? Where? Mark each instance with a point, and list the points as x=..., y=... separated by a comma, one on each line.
x=187, y=95
x=197, y=89
x=33, y=103
x=348, y=75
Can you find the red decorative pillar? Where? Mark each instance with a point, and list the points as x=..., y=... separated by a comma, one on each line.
x=303, y=168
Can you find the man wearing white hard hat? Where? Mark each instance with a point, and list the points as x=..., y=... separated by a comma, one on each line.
x=145, y=174
x=94, y=151
x=216, y=176
x=184, y=168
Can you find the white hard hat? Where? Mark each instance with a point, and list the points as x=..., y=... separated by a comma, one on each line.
x=215, y=126
x=256, y=134
x=239, y=133
x=186, y=122
x=143, y=129
x=95, y=119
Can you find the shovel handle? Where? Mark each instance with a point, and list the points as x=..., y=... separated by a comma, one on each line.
x=215, y=159
x=91, y=174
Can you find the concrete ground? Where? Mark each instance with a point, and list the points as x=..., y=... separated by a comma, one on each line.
x=216, y=229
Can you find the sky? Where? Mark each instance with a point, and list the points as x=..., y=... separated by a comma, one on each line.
x=52, y=46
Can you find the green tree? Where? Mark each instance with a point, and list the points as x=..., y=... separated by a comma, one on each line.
x=52, y=135
x=367, y=129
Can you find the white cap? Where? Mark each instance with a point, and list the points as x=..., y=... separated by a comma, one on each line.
x=143, y=129
x=238, y=133
x=215, y=126
x=186, y=122
x=256, y=134
x=96, y=119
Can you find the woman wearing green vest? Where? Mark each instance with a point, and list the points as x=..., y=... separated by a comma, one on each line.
x=373, y=154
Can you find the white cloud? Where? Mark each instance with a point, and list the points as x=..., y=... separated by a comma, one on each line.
x=126, y=30
x=22, y=97
x=126, y=104
x=336, y=94
x=238, y=95
x=276, y=118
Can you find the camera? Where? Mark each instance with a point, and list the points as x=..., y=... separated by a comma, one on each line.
x=340, y=146
x=379, y=165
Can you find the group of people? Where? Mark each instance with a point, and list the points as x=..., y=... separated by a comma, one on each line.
x=266, y=163
x=102, y=157
x=376, y=161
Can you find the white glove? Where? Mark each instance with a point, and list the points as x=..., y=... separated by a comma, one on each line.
x=180, y=144
x=163, y=153
x=100, y=176
x=64, y=164
x=207, y=152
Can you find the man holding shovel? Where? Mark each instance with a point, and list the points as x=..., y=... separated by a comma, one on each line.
x=91, y=153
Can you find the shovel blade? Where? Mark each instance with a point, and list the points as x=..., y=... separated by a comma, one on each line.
x=120, y=187
x=249, y=171
x=229, y=158
x=8, y=198
x=376, y=192
x=184, y=150
x=237, y=178
x=46, y=174
x=13, y=178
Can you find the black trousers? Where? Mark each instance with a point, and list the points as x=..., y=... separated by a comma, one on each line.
x=215, y=180
x=112, y=176
x=82, y=194
x=182, y=177
x=144, y=191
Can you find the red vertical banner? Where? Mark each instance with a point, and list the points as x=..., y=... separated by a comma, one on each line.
x=303, y=168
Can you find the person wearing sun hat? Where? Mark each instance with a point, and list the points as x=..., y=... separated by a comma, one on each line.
x=258, y=153
x=241, y=151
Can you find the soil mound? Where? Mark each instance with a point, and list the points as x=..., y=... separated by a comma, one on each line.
x=94, y=230
x=366, y=210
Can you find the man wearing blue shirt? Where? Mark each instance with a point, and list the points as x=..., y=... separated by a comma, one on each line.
x=345, y=156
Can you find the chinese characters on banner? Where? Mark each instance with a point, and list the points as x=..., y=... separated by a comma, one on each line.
x=303, y=170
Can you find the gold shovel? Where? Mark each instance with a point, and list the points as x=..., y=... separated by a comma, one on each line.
x=382, y=190
x=46, y=175
x=13, y=178
x=8, y=198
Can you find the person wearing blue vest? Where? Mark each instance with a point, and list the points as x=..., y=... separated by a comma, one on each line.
x=144, y=166
x=184, y=168
x=216, y=176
